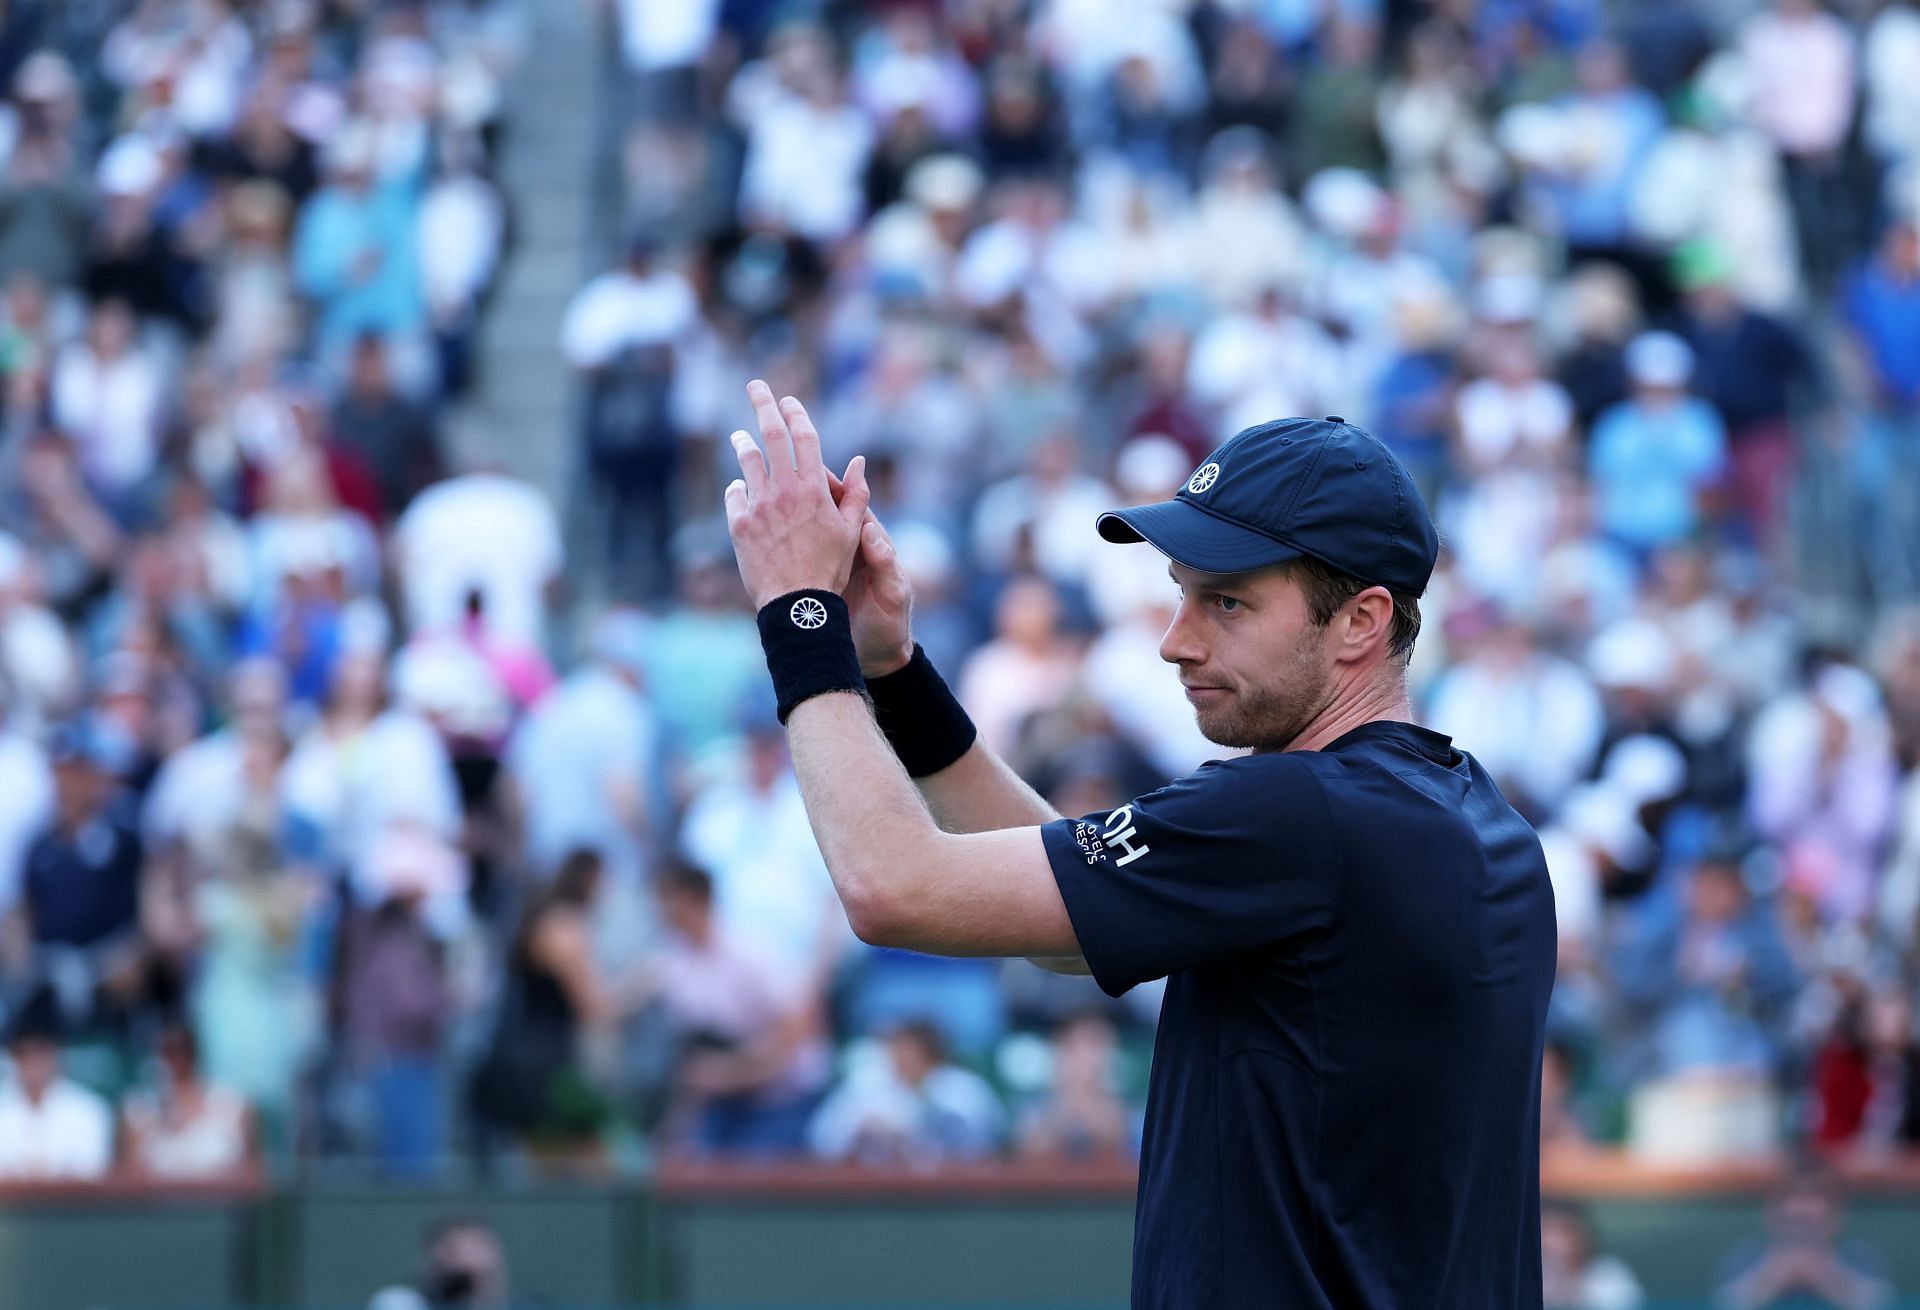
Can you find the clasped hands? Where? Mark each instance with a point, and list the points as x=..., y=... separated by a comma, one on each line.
x=796, y=526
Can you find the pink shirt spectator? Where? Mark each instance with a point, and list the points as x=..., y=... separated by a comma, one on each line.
x=1800, y=60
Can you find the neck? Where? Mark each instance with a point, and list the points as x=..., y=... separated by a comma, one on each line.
x=1384, y=697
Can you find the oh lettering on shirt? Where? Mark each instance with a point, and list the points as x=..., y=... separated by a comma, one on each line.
x=1119, y=834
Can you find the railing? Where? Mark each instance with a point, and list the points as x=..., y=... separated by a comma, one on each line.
x=1003, y=1235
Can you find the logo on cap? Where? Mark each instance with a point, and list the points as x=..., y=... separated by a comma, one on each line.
x=808, y=613
x=1203, y=477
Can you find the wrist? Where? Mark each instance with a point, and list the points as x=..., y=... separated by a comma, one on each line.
x=891, y=663
x=808, y=639
x=922, y=719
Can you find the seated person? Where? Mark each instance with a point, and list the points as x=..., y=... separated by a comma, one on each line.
x=184, y=1126
x=909, y=1105
x=50, y=1127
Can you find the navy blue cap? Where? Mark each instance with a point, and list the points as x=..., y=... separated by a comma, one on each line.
x=1293, y=487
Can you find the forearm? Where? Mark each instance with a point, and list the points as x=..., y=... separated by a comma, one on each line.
x=966, y=786
x=904, y=881
x=980, y=792
x=870, y=823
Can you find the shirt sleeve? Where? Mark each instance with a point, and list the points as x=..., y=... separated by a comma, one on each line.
x=1233, y=858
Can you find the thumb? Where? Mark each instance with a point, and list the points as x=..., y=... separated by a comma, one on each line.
x=857, y=495
x=876, y=549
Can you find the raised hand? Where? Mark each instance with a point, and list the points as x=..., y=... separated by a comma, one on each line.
x=879, y=596
x=788, y=534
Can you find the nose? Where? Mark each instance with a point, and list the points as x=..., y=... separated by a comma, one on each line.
x=1180, y=645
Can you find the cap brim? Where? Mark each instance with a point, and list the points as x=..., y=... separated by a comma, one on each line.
x=1193, y=537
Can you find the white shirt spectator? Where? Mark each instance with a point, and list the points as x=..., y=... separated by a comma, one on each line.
x=771, y=888
x=805, y=168
x=396, y=771
x=951, y=1113
x=1532, y=719
x=461, y=227
x=68, y=1134
x=1801, y=69
x=213, y=1142
x=37, y=655
x=662, y=34
x=1890, y=66
x=199, y=792
x=485, y=533
x=1255, y=366
x=111, y=409
x=1499, y=421
x=1060, y=515
x=621, y=310
x=1066, y=262
x=1243, y=237
x=1823, y=782
x=582, y=759
x=1141, y=693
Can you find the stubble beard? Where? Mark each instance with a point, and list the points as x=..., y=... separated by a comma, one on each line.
x=1273, y=715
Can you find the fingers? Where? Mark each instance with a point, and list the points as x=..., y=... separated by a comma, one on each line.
x=857, y=496
x=773, y=432
x=753, y=465
x=806, y=439
x=736, y=500
x=877, y=553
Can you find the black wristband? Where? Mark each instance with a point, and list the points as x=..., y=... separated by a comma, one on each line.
x=809, y=643
x=921, y=716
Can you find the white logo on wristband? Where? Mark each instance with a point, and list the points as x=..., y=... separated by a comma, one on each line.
x=808, y=613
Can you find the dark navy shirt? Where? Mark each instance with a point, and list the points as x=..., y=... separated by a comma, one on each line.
x=1345, y=1100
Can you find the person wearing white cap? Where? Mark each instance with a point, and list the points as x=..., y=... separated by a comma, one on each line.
x=1656, y=455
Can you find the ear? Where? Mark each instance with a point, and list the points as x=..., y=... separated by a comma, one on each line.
x=1368, y=624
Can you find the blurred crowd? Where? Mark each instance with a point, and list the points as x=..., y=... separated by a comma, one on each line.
x=335, y=830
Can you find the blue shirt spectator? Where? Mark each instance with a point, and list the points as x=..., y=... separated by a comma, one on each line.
x=1881, y=305
x=355, y=253
x=1654, y=453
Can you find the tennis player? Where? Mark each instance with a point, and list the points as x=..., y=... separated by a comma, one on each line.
x=1356, y=928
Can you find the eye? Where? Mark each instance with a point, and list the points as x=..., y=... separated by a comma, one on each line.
x=1227, y=604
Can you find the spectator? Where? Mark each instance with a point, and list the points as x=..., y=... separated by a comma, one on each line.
x=81, y=896
x=50, y=1127
x=482, y=534
x=1576, y=1274
x=1028, y=664
x=1536, y=755
x=771, y=887
x=356, y=254
x=395, y=1006
x=535, y=1081
x=466, y=1269
x=393, y=436
x=753, y=1063
x=906, y=1103
x=1083, y=1116
x=107, y=395
x=1757, y=373
x=184, y=1126
x=1802, y=60
x=1656, y=455
x=1878, y=305
x=585, y=758
x=1802, y=1255
x=1823, y=779
x=463, y=232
